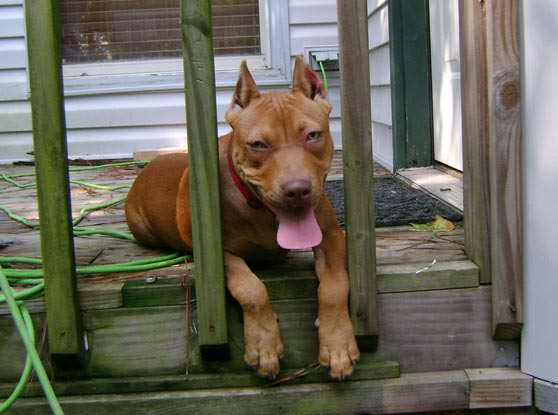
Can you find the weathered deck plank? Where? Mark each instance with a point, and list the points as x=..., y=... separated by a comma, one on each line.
x=424, y=331
x=499, y=388
x=410, y=393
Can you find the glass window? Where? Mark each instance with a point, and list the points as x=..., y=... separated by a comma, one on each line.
x=96, y=31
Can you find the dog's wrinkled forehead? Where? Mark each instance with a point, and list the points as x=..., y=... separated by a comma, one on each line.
x=306, y=98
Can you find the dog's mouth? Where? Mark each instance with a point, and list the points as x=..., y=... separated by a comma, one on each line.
x=297, y=229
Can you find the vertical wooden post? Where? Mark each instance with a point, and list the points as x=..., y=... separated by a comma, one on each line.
x=358, y=167
x=201, y=115
x=502, y=32
x=474, y=95
x=49, y=136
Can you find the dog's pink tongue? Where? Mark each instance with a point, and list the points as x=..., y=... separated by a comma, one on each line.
x=298, y=232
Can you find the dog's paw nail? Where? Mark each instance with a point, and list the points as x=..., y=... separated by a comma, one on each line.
x=317, y=323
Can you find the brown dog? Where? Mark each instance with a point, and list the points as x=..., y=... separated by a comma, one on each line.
x=273, y=167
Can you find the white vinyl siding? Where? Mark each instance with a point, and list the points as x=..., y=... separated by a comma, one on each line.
x=113, y=121
x=380, y=82
x=313, y=23
x=13, y=76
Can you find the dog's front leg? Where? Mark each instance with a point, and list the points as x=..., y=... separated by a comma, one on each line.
x=263, y=347
x=338, y=348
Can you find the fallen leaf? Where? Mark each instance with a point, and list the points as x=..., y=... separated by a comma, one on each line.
x=438, y=224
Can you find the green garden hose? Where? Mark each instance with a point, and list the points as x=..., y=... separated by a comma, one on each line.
x=33, y=282
x=27, y=334
x=324, y=76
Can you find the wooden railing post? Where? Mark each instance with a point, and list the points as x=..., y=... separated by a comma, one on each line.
x=358, y=168
x=201, y=115
x=506, y=236
x=476, y=196
x=492, y=154
x=44, y=40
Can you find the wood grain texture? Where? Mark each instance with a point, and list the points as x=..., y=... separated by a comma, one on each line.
x=411, y=393
x=91, y=297
x=441, y=330
x=137, y=341
x=201, y=116
x=367, y=371
x=499, y=388
x=476, y=192
x=358, y=166
x=442, y=275
x=424, y=331
x=546, y=396
x=49, y=139
x=504, y=103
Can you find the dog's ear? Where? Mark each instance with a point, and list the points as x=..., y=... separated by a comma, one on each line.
x=244, y=92
x=309, y=83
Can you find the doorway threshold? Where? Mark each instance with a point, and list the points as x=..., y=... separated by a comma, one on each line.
x=441, y=182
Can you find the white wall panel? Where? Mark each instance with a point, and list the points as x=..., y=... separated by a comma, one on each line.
x=374, y=4
x=11, y=21
x=380, y=98
x=12, y=53
x=378, y=28
x=539, y=351
x=382, y=145
x=380, y=66
x=312, y=11
x=13, y=84
x=312, y=35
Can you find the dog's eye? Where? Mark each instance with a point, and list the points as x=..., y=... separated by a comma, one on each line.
x=314, y=136
x=258, y=145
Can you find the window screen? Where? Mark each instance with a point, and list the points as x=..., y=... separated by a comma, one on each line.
x=111, y=30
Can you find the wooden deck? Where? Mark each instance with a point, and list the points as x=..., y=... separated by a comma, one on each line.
x=432, y=316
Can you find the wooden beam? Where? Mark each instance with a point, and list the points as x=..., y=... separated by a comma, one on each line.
x=476, y=195
x=418, y=392
x=366, y=370
x=44, y=40
x=150, y=341
x=201, y=116
x=499, y=388
x=502, y=50
x=358, y=168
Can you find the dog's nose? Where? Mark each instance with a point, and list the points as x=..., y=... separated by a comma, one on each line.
x=297, y=192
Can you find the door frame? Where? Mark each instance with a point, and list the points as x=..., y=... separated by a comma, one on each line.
x=411, y=83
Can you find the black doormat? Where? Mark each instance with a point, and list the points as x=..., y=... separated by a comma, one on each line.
x=397, y=203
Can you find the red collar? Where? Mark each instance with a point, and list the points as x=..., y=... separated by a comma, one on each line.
x=251, y=198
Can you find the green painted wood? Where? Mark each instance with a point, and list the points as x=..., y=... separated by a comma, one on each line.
x=65, y=336
x=154, y=341
x=199, y=86
x=138, y=341
x=440, y=276
x=412, y=393
x=358, y=168
x=296, y=279
x=368, y=370
x=411, y=89
x=160, y=292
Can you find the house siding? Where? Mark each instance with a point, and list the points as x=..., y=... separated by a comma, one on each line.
x=115, y=124
x=13, y=60
x=380, y=82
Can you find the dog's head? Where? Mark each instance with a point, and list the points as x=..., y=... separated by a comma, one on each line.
x=281, y=145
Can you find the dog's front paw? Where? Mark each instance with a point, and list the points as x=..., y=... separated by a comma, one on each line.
x=338, y=347
x=263, y=346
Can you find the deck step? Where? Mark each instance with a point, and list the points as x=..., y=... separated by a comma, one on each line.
x=424, y=392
